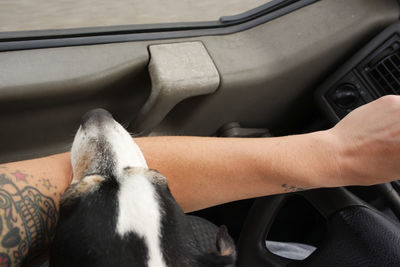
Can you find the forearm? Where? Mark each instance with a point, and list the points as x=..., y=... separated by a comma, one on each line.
x=362, y=149
x=203, y=172
x=29, y=196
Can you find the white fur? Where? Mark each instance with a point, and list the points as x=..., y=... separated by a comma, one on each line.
x=126, y=150
x=139, y=212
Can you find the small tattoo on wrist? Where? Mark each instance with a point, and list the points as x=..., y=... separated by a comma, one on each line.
x=291, y=188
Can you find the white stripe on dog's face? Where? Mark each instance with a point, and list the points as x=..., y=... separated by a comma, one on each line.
x=139, y=212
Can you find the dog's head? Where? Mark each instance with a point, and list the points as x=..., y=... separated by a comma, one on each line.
x=113, y=198
x=103, y=147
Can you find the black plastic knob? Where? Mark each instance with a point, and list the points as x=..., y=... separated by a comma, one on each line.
x=346, y=96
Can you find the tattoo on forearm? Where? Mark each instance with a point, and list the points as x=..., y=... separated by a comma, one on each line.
x=19, y=176
x=5, y=260
x=291, y=188
x=27, y=219
x=46, y=183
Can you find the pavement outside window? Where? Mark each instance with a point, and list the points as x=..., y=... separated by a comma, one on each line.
x=25, y=15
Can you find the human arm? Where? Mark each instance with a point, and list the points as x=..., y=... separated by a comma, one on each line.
x=204, y=172
x=362, y=149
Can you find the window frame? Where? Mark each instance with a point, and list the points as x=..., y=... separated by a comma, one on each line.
x=22, y=40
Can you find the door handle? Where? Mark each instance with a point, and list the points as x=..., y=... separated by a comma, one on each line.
x=177, y=71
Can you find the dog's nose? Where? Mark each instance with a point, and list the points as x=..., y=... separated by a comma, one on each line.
x=97, y=116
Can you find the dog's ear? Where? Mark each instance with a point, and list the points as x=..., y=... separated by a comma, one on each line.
x=225, y=254
x=80, y=188
x=225, y=244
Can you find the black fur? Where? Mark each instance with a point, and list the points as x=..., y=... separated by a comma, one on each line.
x=178, y=241
x=86, y=233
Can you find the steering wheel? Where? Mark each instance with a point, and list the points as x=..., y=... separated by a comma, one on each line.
x=358, y=234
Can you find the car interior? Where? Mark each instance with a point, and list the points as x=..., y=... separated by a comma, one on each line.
x=285, y=67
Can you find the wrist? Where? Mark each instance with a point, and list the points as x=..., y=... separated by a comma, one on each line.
x=324, y=159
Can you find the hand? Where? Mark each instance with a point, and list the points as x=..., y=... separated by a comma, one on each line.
x=368, y=143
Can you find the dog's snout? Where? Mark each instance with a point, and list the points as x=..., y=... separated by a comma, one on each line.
x=97, y=116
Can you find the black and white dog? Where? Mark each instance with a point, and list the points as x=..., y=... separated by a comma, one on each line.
x=117, y=212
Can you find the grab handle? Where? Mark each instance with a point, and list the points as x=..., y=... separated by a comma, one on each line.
x=177, y=71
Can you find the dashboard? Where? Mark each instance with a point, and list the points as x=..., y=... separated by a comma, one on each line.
x=371, y=73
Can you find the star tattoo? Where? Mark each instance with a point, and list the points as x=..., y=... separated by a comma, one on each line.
x=19, y=176
x=46, y=183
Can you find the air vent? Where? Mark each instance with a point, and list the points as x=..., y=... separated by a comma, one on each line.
x=372, y=72
x=384, y=70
